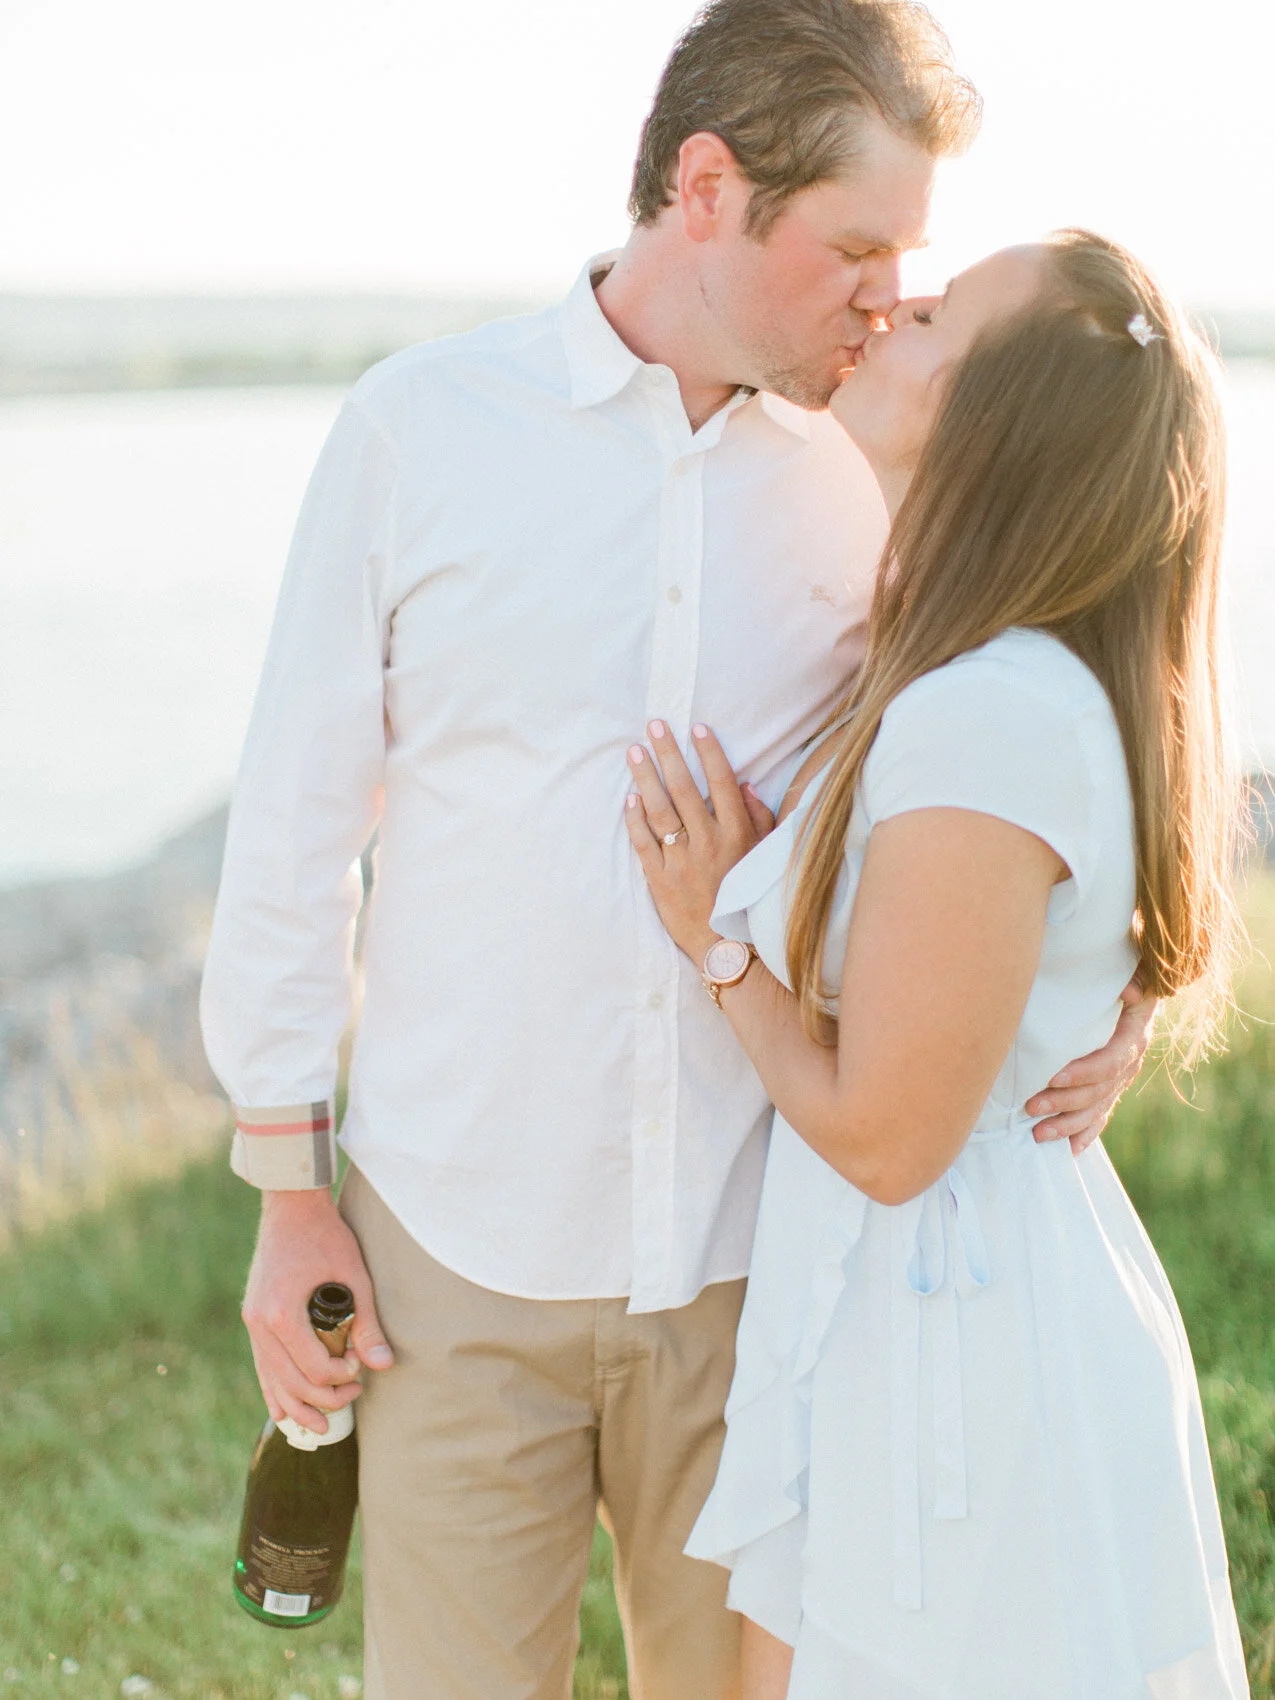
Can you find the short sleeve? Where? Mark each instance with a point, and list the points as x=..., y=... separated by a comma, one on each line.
x=981, y=735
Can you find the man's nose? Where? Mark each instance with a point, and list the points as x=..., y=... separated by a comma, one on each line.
x=880, y=286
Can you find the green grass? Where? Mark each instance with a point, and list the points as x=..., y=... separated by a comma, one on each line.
x=128, y=1409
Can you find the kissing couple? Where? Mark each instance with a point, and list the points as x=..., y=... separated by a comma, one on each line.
x=789, y=715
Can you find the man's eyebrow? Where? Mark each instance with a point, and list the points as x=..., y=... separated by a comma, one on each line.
x=863, y=243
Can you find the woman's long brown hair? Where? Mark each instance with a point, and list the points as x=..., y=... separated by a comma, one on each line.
x=1073, y=483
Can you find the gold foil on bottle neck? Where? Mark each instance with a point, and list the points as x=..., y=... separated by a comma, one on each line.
x=338, y=1338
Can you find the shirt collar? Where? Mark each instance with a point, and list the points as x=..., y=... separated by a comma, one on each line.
x=786, y=414
x=600, y=364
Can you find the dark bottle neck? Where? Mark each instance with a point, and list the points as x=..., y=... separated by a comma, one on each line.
x=331, y=1311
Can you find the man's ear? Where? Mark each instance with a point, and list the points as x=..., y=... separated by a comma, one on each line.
x=709, y=185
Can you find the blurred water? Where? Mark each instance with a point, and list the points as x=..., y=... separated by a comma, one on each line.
x=141, y=541
x=142, y=537
x=1250, y=550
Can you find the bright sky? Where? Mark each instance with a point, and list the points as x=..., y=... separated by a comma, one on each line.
x=318, y=143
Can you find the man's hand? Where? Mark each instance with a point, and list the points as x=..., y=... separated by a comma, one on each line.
x=1080, y=1098
x=303, y=1242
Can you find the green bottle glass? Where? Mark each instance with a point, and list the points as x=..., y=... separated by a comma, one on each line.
x=299, y=1507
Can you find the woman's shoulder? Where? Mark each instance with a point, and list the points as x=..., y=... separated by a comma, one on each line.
x=1018, y=728
x=1022, y=691
x=1020, y=665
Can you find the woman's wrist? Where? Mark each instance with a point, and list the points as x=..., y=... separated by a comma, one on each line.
x=699, y=945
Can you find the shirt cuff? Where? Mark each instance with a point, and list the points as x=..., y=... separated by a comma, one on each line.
x=288, y=1149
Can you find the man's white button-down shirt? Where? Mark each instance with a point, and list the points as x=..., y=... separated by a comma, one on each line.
x=514, y=553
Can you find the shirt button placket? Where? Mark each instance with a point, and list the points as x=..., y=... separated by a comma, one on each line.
x=670, y=693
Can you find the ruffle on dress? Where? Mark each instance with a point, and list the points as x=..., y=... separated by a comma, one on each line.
x=940, y=1253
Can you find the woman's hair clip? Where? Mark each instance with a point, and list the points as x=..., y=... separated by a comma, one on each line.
x=1139, y=328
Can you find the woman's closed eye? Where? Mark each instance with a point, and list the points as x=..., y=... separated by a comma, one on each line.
x=922, y=315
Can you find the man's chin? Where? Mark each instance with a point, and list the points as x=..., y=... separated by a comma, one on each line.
x=811, y=391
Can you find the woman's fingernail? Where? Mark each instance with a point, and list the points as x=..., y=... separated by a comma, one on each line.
x=1060, y=1079
x=1043, y=1106
x=636, y=754
x=700, y=731
x=657, y=728
x=632, y=800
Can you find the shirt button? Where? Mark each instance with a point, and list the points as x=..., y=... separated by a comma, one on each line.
x=654, y=1128
x=656, y=1000
x=673, y=593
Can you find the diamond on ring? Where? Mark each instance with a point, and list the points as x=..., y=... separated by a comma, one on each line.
x=672, y=837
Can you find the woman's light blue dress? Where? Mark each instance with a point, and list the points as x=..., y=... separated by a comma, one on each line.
x=965, y=1457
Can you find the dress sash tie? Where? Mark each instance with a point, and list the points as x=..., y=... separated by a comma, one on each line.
x=938, y=1256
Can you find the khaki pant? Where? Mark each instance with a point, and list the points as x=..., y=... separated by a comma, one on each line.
x=484, y=1455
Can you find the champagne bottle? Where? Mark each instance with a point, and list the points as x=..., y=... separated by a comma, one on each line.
x=299, y=1507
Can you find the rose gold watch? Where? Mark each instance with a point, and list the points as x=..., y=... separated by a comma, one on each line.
x=725, y=964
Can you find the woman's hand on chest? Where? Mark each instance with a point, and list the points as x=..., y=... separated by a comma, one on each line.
x=687, y=843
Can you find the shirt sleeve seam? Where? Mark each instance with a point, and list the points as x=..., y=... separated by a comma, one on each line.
x=380, y=594
x=379, y=427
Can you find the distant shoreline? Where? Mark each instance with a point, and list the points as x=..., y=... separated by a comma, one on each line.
x=66, y=345
x=61, y=345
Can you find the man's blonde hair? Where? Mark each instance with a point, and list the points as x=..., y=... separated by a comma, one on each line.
x=786, y=84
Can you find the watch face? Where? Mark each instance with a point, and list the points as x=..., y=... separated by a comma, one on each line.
x=726, y=959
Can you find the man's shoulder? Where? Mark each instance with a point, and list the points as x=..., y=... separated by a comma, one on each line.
x=839, y=487
x=831, y=439
x=519, y=350
x=825, y=443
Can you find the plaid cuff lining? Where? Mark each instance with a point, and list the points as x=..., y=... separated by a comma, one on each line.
x=286, y=1149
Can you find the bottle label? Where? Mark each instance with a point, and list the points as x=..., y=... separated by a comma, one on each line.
x=286, y=1605
x=300, y=1577
x=340, y=1423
